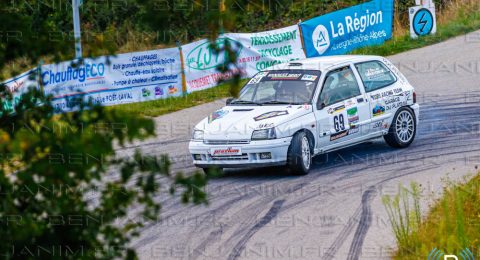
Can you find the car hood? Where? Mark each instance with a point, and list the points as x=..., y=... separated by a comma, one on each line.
x=238, y=122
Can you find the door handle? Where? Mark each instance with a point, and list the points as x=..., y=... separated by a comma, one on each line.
x=360, y=100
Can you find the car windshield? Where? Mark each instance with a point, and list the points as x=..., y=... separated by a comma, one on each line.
x=279, y=87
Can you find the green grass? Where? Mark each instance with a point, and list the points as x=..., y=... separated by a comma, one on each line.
x=164, y=106
x=452, y=224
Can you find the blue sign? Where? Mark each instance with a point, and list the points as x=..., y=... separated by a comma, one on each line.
x=423, y=22
x=345, y=30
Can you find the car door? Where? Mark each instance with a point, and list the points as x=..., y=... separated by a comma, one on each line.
x=342, y=111
x=384, y=92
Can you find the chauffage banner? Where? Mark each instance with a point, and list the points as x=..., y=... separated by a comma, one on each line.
x=125, y=78
x=255, y=52
x=345, y=30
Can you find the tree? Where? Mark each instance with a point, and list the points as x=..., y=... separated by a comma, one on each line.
x=52, y=163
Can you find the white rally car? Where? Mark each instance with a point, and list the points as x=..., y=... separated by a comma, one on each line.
x=294, y=111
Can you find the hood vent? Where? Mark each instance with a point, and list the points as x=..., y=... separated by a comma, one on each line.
x=243, y=110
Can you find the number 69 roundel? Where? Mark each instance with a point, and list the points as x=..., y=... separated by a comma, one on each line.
x=339, y=122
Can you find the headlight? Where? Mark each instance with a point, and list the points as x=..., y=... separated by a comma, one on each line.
x=264, y=134
x=197, y=135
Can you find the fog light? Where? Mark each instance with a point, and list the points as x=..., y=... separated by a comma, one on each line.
x=197, y=157
x=265, y=156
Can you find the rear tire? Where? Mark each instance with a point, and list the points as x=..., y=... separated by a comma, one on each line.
x=403, y=129
x=299, y=157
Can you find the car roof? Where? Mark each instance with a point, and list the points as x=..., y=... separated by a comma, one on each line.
x=323, y=63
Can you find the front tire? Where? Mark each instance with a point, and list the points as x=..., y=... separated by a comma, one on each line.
x=403, y=129
x=299, y=155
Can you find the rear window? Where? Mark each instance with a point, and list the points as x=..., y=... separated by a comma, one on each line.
x=375, y=75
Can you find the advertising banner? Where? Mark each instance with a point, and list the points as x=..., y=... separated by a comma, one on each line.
x=423, y=20
x=345, y=30
x=201, y=63
x=111, y=80
x=255, y=52
x=266, y=49
x=17, y=86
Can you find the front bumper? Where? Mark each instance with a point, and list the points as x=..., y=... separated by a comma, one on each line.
x=250, y=154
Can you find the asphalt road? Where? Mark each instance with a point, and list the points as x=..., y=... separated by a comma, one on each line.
x=336, y=211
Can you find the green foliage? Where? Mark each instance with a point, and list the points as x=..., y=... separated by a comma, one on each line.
x=405, y=220
x=35, y=29
x=451, y=225
x=64, y=191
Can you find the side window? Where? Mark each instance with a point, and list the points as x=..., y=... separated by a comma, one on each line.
x=375, y=75
x=339, y=84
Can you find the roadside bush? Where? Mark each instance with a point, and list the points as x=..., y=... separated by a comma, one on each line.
x=65, y=193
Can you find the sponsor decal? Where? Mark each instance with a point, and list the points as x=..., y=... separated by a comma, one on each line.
x=377, y=124
x=373, y=73
x=392, y=100
x=350, y=103
x=338, y=135
x=258, y=77
x=217, y=115
x=353, y=119
x=15, y=86
x=261, y=74
x=336, y=109
x=309, y=77
x=145, y=92
x=352, y=116
x=408, y=95
x=397, y=92
x=380, y=124
x=79, y=74
x=353, y=131
x=352, y=111
x=321, y=39
x=158, y=91
x=225, y=151
x=270, y=115
x=254, y=81
x=172, y=89
x=396, y=105
x=284, y=76
x=378, y=110
x=203, y=57
x=265, y=125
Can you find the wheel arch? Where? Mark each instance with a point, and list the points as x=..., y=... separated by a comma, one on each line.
x=310, y=137
x=398, y=109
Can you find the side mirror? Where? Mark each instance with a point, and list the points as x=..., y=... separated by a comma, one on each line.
x=321, y=106
x=229, y=100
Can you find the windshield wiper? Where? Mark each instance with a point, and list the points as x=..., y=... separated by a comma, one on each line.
x=276, y=102
x=245, y=102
